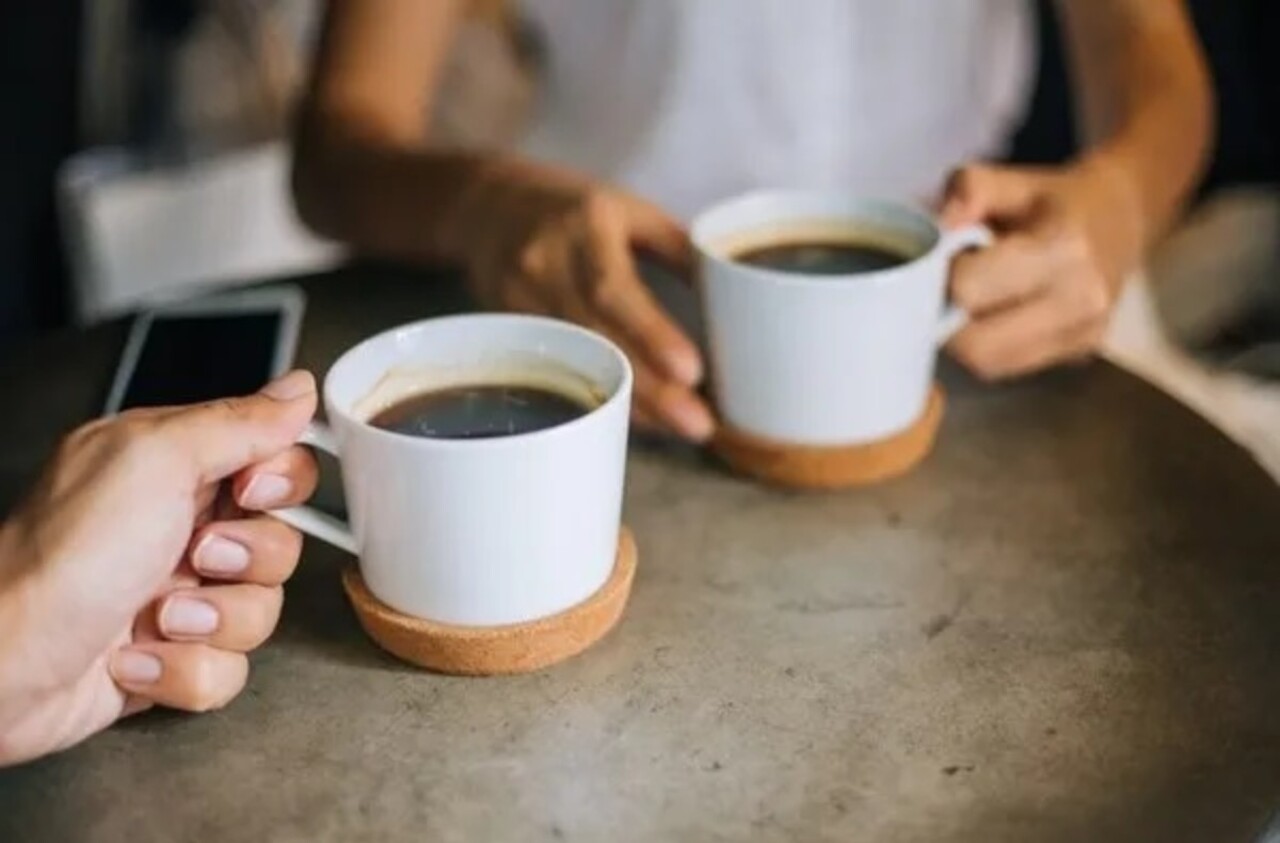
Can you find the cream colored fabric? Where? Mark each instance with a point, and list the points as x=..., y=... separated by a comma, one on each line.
x=1244, y=408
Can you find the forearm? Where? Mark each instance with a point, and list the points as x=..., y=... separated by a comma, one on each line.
x=365, y=171
x=1145, y=99
x=398, y=200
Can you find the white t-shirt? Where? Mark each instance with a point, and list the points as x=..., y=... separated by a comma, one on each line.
x=690, y=101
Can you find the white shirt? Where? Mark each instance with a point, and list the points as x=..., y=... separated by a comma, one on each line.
x=691, y=101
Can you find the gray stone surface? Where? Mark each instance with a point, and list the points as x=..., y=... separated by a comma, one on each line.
x=1062, y=627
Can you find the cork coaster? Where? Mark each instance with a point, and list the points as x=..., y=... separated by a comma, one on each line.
x=816, y=467
x=495, y=650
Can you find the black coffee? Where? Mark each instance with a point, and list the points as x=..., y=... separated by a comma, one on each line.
x=479, y=412
x=824, y=257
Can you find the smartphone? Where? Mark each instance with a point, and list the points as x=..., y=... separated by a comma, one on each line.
x=216, y=347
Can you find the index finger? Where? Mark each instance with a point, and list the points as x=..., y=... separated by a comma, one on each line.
x=658, y=234
x=625, y=304
x=997, y=276
x=984, y=193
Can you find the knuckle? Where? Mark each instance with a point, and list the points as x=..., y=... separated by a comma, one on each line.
x=229, y=408
x=602, y=294
x=596, y=207
x=215, y=679
x=970, y=355
x=1055, y=238
x=303, y=467
x=964, y=286
x=964, y=181
x=204, y=691
x=531, y=258
x=289, y=547
x=1092, y=343
x=84, y=436
x=984, y=369
x=1094, y=298
x=982, y=361
x=261, y=614
x=1097, y=336
x=134, y=440
x=508, y=302
x=508, y=296
x=215, y=413
x=1072, y=243
x=269, y=608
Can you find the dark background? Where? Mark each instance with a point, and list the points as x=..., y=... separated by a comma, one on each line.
x=1242, y=39
x=39, y=55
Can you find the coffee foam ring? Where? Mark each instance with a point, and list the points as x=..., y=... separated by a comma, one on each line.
x=832, y=467
x=496, y=650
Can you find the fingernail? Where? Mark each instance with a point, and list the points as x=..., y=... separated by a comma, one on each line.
x=293, y=385
x=187, y=616
x=266, y=491
x=218, y=556
x=686, y=368
x=695, y=423
x=134, y=667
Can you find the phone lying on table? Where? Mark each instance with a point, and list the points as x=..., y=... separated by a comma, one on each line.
x=216, y=347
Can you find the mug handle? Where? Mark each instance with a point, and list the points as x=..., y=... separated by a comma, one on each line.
x=976, y=236
x=310, y=520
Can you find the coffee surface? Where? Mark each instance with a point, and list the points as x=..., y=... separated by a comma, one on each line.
x=825, y=257
x=479, y=412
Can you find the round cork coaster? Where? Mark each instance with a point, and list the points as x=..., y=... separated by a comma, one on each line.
x=817, y=467
x=496, y=650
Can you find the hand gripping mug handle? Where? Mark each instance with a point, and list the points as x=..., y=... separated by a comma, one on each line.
x=977, y=236
x=312, y=521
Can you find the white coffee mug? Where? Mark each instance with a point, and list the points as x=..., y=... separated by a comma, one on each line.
x=825, y=360
x=478, y=532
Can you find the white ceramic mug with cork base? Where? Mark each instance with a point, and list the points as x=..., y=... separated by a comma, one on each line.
x=478, y=532
x=825, y=360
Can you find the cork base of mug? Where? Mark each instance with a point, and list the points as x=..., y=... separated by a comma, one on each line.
x=842, y=467
x=496, y=650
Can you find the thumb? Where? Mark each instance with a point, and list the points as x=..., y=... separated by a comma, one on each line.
x=222, y=437
x=980, y=193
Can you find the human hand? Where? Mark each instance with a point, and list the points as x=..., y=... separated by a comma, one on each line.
x=562, y=246
x=1043, y=293
x=140, y=571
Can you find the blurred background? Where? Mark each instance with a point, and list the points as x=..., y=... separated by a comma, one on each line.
x=147, y=158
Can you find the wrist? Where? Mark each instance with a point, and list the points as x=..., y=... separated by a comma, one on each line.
x=496, y=193
x=1107, y=194
x=1147, y=196
x=463, y=187
x=1114, y=172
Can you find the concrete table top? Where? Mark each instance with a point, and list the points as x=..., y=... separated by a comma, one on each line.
x=1064, y=626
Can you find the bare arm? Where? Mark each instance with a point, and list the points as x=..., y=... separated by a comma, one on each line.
x=1069, y=236
x=529, y=237
x=1144, y=98
x=364, y=171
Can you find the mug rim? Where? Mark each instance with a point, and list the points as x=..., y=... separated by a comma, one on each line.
x=622, y=392
x=868, y=280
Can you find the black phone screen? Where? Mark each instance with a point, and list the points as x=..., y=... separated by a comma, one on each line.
x=190, y=358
